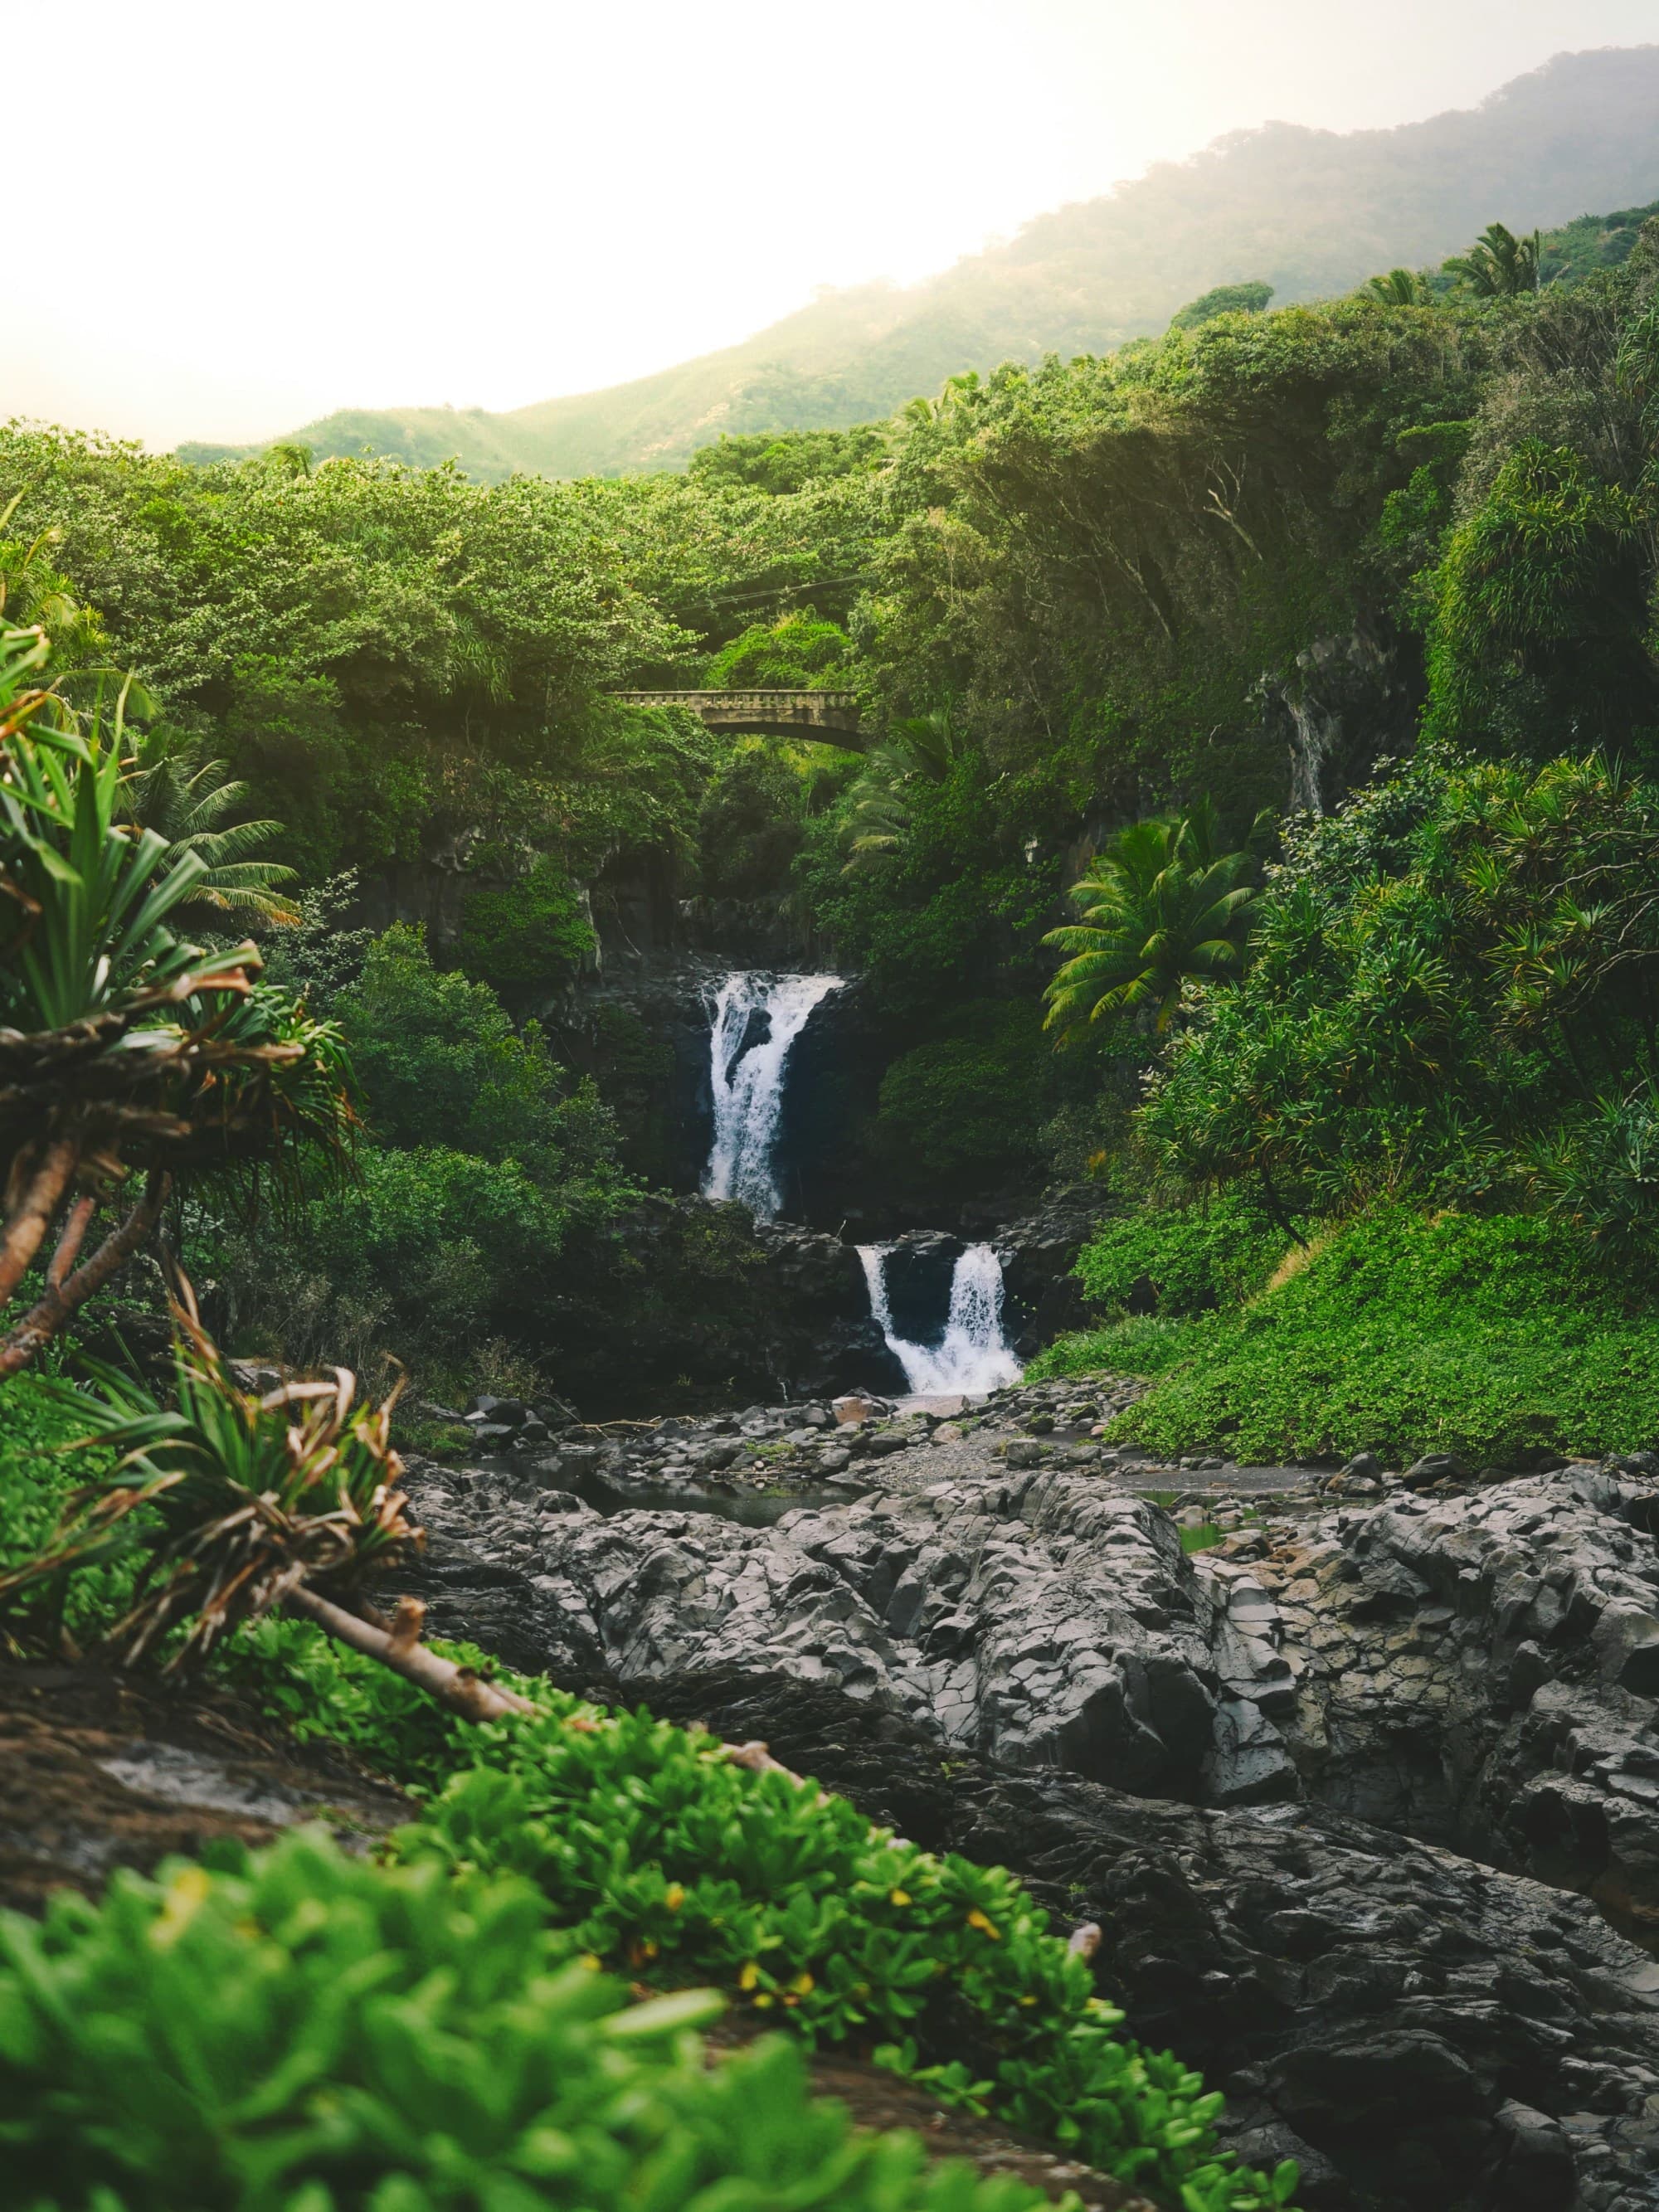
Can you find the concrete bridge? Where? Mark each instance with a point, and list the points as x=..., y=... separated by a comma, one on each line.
x=829, y=717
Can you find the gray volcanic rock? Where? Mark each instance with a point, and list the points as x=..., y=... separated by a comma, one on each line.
x=993, y=1661
x=1382, y=2011
x=1481, y=1670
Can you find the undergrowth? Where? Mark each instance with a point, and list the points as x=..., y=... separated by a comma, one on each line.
x=1493, y=1335
x=300, y=2032
x=660, y=1858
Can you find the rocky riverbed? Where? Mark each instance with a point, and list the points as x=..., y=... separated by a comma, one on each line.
x=1359, y=1769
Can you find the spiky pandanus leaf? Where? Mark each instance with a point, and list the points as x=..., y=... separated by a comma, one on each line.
x=234, y=1498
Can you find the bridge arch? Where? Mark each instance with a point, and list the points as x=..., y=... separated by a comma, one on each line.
x=830, y=718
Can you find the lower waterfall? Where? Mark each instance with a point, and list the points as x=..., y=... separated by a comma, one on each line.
x=974, y=1355
x=756, y=1018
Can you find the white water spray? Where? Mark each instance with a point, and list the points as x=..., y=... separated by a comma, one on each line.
x=748, y=1087
x=975, y=1356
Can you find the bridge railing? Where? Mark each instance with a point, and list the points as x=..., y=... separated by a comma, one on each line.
x=809, y=705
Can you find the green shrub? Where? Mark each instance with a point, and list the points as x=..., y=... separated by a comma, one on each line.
x=1496, y=1336
x=36, y=1478
x=968, y=1106
x=527, y=937
x=1146, y=1344
x=1181, y=1260
x=659, y=1855
x=300, y=2032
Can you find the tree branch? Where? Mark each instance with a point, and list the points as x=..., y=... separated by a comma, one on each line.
x=43, y=1321
x=27, y=1222
x=400, y=1648
x=69, y=1243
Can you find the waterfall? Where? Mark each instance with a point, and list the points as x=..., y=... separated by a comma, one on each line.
x=974, y=1355
x=747, y=1072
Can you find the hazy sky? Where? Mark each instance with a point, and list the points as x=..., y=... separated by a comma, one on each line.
x=245, y=214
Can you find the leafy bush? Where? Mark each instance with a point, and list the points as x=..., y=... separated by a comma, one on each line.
x=656, y=1854
x=36, y=1478
x=1494, y=1336
x=798, y=652
x=1452, y=992
x=529, y=937
x=1182, y=1259
x=302, y=2030
x=442, y=1063
x=968, y=1106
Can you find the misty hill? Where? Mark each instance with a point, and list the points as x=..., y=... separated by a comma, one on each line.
x=1311, y=212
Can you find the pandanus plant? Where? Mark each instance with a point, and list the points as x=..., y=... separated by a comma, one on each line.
x=240, y=1502
x=126, y=1051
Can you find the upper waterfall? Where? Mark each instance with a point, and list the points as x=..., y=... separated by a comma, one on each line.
x=974, y=1356
x=756, y=1018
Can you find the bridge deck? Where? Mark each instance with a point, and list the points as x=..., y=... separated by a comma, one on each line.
x=830, y=717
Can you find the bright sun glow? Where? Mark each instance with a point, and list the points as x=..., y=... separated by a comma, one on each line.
x=259, y=214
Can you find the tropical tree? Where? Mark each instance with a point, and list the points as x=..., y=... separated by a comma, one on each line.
x=917, y=750
x=1498, y=265
x=193, y=808
x=127, y=1054
x=1162, y=906
x=1400, y=288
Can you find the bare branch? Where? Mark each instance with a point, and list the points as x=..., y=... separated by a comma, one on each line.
x=27, y=1218
x=400, y=1649
x=43, y=1321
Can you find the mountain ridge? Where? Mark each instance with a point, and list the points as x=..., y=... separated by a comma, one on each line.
x=1311, y=212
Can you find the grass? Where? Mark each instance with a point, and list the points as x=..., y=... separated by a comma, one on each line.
x=1492, y=1335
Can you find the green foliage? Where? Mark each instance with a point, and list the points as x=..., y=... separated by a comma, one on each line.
x=789, y=462
x=751, y=824
x=1181, y=1260
x=797, y=652
x=965, y=1109
x=1455, y=988
x=1163, y=907
x=958, y=901
x=1489, y=1335
x=37, y=1476
x=1499, y=265
x=384, y=655
x=658, y=1854
x=1224, y=300
x=527, y=937
x=303, y=2029
x=441, y=1062
x=1541, y=610
x=231, y=1499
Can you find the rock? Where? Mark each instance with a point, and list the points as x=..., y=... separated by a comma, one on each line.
x=851, y=1409
x=1382, y=1758
x=1536, y=2168
x=1365, y=1465
x=1042, y=1295
x=1383, y=2012
x=1435, y=1466
x=504, y=1412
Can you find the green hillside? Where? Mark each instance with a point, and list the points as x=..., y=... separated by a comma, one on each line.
x=1310, y=212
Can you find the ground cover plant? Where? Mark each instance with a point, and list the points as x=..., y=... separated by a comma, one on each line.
x=1399, y=1332
x=668, y=1860
x=302, y=2031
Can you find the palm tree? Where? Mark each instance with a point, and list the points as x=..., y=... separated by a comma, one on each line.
x=1162, y=905
x=189, y=809
x=922, y=749
x=1499, y=265
x=1400, y=288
